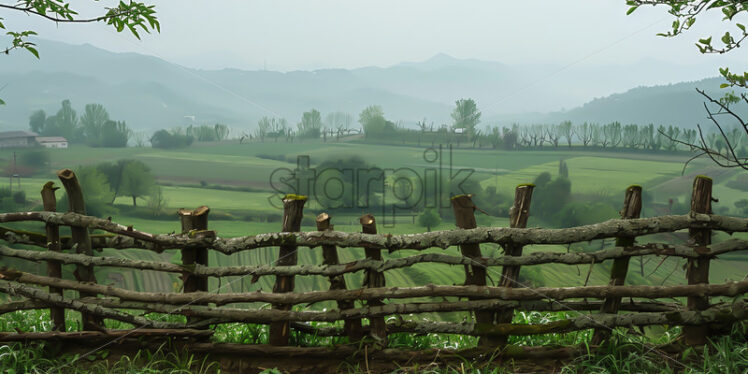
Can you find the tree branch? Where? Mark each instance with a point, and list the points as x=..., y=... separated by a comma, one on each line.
x=503, y=293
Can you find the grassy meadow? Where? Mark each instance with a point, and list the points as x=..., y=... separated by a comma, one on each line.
x=192, y=177
x=232, y=179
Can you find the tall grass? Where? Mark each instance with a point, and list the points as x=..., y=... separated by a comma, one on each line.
x=44, y=358
x=629, y=351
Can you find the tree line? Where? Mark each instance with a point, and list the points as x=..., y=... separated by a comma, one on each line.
x=94, y=127
x=464, y=131
x=310, y=126
x=179, y=137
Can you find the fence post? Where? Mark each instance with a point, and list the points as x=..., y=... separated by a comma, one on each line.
x=82, y=240
x=293, y=211
x=697, y=270
x=374, y=279
x=54, y=268
x=464, y=211
x=352, y=327
x=194, y=220
x=518, y=215
x=632, y=207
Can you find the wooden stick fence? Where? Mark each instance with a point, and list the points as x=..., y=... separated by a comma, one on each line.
x=492, y=307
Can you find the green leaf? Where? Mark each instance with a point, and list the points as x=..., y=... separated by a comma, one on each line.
x=740, y=26
x=33, y=51
x=707, y=41
x=687, y=353
x=631, y=10
x=724, y=85
x=727, y=39
x=2, y=102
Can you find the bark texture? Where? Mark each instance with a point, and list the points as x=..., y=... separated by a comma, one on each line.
x=293, y=212
x=502, y=293
x=632, y=207
x=352, y=328
x=535, y=258
x=81, y=240
x=54, y=268
x=128, y=237
x=518, y=215
x=374, y=279
x=697, y=270
x=475, y=273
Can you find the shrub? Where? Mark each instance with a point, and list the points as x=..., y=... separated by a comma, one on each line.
x=36, y=158
x=428, y=219
x=166, y=140
x=19, y=197
x=740, y=183
x=7, y=204
x=583, y=213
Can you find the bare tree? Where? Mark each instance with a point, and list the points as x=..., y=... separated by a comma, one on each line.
x=673, y=133
x=631, y=137
x=583, y=133
x=723, y=149
x=612, y=134
x=565, y=130
x=524, y=136
x=537, y=135
x=553, y=134
x=597, y=135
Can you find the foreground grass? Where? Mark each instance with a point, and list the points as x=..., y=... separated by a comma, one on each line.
x=41, y=358
x=629, y=351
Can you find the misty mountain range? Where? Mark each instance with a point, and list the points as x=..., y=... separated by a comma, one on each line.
x=150, y=93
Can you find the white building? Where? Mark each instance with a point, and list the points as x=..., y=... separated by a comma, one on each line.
x=17, y=139
x=52, y=141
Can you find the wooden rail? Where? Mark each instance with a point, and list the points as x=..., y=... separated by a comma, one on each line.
x=492, y=306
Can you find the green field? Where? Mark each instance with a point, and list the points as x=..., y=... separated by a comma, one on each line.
x=238, y=165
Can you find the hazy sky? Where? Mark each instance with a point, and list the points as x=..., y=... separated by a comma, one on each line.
x=302, y=34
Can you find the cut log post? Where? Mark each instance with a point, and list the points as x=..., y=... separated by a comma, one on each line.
x=293, y=212
x=697, y=270
x=54, y=268
x=518, y=215
x=475, y=274
x=194, y=220
x=352, y=327
x=632, y=207
x=374, y=279
x=82, y=240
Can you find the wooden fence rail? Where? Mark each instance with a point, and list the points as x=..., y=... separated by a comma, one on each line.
x=126, y=237
x=490, y=299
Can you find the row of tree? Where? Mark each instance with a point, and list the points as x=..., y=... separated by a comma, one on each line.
x=94, y=127
x=183, y=137
x=311, y=126
x=464, y=130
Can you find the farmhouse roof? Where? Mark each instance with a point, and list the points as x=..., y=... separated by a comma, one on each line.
x=50, y=139
x=17, y=134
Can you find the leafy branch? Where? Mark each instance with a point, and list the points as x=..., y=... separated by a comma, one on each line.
x=686, y=12
x=134, y=16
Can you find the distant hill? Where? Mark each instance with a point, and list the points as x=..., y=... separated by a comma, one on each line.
x=150, y=93
x=673, y=104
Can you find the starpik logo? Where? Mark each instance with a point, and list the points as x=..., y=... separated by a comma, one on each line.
x=355, y=186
